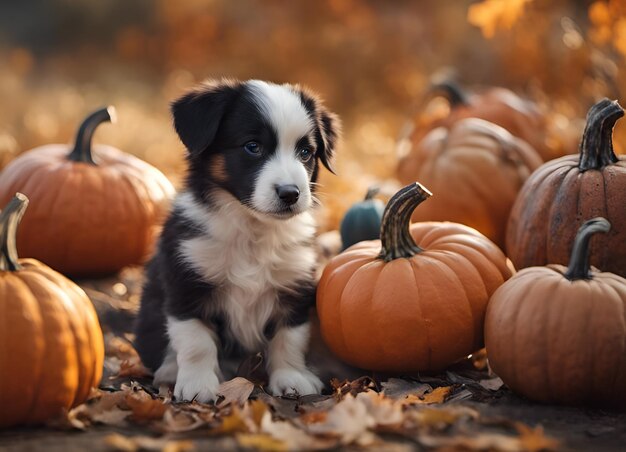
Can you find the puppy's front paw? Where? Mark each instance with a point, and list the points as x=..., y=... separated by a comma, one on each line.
x=290, y=381
x=196, y=384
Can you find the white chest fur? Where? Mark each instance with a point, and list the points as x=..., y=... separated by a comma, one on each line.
x=249, y=259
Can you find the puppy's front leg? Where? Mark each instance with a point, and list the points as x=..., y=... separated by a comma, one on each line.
x=286, y=365
x=196, y=356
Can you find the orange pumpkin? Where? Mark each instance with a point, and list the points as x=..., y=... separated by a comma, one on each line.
x=473, y=160
x=562, y=193
x=520, y=117
x=414, y=300
x=92, y=212
x=557, y=334
x=51, y=347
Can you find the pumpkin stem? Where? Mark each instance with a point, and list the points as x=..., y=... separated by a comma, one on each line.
x=82, y=147
x=371, y=192
x=452, y=92
x=579, y=261
x=9, y=219
x=596, y=146
x=394, y=229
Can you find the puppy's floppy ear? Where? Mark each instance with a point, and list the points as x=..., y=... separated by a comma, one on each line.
x=198, y=113
x=330, y=128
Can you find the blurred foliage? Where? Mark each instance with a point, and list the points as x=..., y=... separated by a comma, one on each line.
x=370, y=59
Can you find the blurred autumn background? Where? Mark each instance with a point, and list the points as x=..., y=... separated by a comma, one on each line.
x=371, y=60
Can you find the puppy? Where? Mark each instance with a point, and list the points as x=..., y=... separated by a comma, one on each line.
x=234, y=268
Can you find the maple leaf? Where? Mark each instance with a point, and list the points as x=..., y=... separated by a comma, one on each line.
x=534, y=439
x=491, y=15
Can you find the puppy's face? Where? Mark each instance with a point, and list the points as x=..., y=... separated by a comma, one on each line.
x=259, y=141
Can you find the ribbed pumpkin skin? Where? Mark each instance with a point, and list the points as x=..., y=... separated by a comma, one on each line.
x=51, y=346
x=555, y=201
x=563, y=193
x=411, y=314
x=87, y=220
x=555, y=340
x=474, y=160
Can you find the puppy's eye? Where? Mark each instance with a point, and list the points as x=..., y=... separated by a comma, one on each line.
x=305, y=153
x=252, y=148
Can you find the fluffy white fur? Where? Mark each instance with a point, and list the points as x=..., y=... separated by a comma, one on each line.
x=196, y=356
x=286, y=365
x=167, y=372
x=250, y=256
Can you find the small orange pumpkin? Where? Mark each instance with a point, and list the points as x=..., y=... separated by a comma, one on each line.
x=414, y=300
x=556, y=199
x=92, y=212
x=557, y=334
x=51, y=346
x=473, y=160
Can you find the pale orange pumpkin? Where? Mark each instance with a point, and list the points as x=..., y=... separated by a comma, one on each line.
x=51, y=346
x=93, y=212
x=558, y=334
x=519, y=116
x=476, y=169
x=414, y=300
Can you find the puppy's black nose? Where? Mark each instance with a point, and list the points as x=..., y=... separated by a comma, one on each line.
x=288, y=193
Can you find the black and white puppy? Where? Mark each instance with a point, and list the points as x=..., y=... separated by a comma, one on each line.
x=234, y=269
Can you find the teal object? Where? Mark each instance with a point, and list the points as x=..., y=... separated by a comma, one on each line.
x=362, y=220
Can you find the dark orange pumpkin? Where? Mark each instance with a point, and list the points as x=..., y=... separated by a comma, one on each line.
x=414, y=300
x=473, y=160
x=92, y=212
x=557, y=334
x=557, y=198
x=51, y=347
x=520, y=117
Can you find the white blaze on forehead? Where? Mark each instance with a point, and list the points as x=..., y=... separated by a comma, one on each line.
x=282, y=106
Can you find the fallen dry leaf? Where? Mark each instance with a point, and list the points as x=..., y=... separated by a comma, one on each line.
x=492, y=384
x=176, y=421
x=144, y=408
x=246, y=419
x=438, y=395
x=136, y=443
x=534, y=439
x=132, y=367
x=342, y=388
x=237, y=391
x=294, y=437
x=261, y=441
x=442, y=417
x=398, y=388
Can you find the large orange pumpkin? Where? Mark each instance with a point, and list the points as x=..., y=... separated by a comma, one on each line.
x=476, y=169
x=557, y=334
x=414, y=300
x=51, y=347
x=521, y=117
x=93, y=212
x=557, y=198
